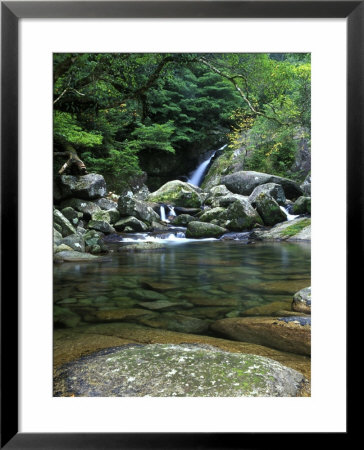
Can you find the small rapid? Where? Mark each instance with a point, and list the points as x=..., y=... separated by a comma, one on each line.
x=197, y=176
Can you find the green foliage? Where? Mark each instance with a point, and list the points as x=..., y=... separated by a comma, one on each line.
x=115, y=108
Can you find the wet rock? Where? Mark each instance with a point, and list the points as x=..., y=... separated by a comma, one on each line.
x=72, y=215
x=148, y=295
x=66, y=227
x=129, y=206
x=57, y=237
x=92, y=238
x=241, y=216
x=177, y=193
x=63, y=248
x=156, y=226
x=269, y=209
x=244, y=182
x=72, y=256
x=200, y=230
x=75, y=241
x=87, y=187
x=294, y=230
x=183, y=220
x=302, y=205
x=86, y=207
x=131, y=222
x=101, y=225
x=302, y=301
x=162, y=305
x=273, y=189
x=166, y=370
x=280, y=333
x=218, y=215
x=102, y=216
x=106, y=204
x=114, y=215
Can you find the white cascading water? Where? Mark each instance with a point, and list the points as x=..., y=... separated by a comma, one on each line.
x=163, y=214
x=197, y=175
x=289, y=216
x=172, y=211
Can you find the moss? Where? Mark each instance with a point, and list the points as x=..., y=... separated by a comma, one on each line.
x=219, y=167
x=296, y=228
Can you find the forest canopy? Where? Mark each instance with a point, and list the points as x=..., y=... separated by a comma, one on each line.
x=118, y=111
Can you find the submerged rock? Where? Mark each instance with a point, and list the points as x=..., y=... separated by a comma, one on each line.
x=204, y=230
x=177, y=193
x=166, y=370
x=287, y=334
x=142, y=247
x=72, y=256
x=302, y=301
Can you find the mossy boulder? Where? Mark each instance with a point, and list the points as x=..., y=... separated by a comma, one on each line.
x=177, y=193
x=57, y=237
x=289, y=334
x=200, y=230
x=244, y=182
x=214, y=215
x=169, y=370
x=72, y=215
x=306, y=185
x=72, y=256
x=294, y=230
x=131, y=222
x=129, y=206
x=106, y=203
x=103, y=216
x=273, y=189
x=183, y=220
x=302, y=301
x=75, y=241
x=86, y=207
x=269, y=209
x=65, y=225
x=242, y=216
x=101, y=225
x=302, y=205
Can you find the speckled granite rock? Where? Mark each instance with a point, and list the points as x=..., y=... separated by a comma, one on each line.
x=166, y=370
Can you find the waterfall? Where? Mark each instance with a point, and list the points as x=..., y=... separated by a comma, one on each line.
x=172, y=211
x=197, y=176
x=163, y=214
x=289, y=216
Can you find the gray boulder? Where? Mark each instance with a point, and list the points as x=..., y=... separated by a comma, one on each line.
x=72, y=215
x=129, y=206
x=87, y=187
x=269, y=209
x=57, y=237
x=65, y=225
x=242, y=216
x=101, y=225
x=75, y=241
x=273, y=189
x=106, y=203
x=177, y=193
x=132, y=222
x=183, y=220
x=86, y=207
x=306, y=186
x=244, y=182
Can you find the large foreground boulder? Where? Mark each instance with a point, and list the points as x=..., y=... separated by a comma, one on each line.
x=87, y=187
x=294, y=230
x=241, y=216
x=273, y=189
x=177, y=193
x=245, y=182
x=167, y=370
x=290, y=334
x=200, y=230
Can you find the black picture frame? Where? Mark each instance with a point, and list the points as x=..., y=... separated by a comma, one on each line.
x=11, y=12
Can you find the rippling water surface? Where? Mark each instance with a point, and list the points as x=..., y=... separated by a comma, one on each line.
x=183, y=287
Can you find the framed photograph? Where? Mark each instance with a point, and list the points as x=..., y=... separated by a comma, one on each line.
x=156, y=168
